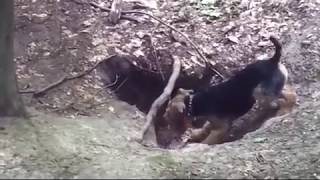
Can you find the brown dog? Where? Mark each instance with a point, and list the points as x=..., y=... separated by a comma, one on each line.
x=178, y=122
x=218, y=131
x=175, y=115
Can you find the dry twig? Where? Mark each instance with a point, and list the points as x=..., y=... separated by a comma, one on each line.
x=43, y=91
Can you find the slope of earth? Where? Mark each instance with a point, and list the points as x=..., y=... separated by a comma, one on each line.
x=79, y=130
x=48, y=146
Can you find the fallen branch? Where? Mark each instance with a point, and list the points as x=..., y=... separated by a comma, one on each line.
x=148, y=128
x=43, y=91
x=169, y=26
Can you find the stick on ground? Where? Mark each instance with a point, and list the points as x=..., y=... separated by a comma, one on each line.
x=197, y=49
x=43, y=91
x=148, y=133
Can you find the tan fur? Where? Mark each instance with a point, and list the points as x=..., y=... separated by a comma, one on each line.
x=212, y=132
x=289, y=101
x=175, y=112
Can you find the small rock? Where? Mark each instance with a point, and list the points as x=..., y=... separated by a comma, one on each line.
x=39, y=18
x=260, y=140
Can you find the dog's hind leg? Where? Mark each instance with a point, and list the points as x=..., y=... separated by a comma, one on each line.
x=212, y=132
x=217, y=133
x=199, y=134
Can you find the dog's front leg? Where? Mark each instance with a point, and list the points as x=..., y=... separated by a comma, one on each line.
x=199, y=134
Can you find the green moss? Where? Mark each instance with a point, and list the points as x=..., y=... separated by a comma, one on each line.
x=168, y=167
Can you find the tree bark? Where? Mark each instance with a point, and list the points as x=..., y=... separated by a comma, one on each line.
x=10, y=100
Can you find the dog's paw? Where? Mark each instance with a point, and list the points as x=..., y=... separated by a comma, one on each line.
x=186, y=136
x=275, y=104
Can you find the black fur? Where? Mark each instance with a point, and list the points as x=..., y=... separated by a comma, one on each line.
x=273, y=85
x=234, y=98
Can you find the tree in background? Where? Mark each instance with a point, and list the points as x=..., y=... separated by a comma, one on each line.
x=10, y=101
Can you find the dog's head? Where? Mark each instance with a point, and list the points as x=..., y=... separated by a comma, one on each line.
x=180, y=92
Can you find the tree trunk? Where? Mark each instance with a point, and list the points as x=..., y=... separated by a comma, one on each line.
x=10, y=100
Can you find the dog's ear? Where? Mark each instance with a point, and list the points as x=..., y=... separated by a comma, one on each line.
x=278, y=49
x=184, y=91
x=181, y=91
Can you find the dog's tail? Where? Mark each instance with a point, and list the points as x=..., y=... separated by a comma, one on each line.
x=278, y=49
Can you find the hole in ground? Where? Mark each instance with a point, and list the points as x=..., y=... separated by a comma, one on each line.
x=133, y=81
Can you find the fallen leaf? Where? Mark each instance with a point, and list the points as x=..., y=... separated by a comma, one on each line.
x=211, y=12
x=233, y=39
x=263, y=43
x=111, y=109
x=152, y=4
x=138, y=53
x=208, y=2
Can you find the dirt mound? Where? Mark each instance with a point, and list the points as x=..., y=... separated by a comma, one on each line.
x=53, y=38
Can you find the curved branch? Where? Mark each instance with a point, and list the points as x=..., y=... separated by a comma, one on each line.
x=148, y=128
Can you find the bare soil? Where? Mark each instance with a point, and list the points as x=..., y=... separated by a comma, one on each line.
x=82, y=130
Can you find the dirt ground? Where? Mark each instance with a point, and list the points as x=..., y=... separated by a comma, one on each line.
x=80, y=130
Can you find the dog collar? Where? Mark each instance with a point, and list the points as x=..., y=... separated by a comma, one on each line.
x=189, y=105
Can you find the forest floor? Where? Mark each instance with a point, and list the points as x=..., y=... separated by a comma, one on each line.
x=81, y=130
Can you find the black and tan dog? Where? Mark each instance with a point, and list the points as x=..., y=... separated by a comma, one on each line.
x=266, y=107
x=221, y=104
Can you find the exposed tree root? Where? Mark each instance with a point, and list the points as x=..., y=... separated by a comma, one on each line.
x=43, y=91
x=148, y=132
